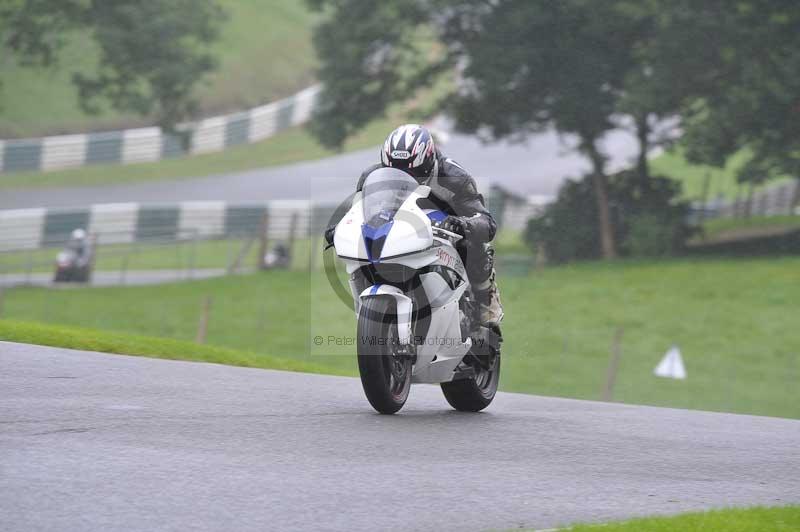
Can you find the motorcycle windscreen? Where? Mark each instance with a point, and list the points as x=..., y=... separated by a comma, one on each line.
x=384, y=192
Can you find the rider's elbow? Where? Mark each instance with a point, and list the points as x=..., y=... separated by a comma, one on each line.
x=484, y=228
x=482, y=232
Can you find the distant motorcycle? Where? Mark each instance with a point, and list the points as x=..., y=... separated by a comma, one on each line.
x=72, y=267
x=418, y=319
x=278, y=258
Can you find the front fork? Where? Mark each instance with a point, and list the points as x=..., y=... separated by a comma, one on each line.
x=404, y=307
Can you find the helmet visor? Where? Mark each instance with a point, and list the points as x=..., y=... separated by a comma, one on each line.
x=420, y=173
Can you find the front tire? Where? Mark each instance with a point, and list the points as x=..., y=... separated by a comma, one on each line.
x=385, y=374
x=475, y=393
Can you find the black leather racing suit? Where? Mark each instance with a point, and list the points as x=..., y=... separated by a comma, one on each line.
x=458, y=196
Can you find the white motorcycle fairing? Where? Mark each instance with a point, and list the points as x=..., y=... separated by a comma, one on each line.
x=409, y=231
x=407, y=239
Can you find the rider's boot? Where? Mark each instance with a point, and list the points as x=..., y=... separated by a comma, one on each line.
x=489, y=298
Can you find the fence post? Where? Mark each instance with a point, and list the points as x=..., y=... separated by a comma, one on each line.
x=178, y=255
x=202, y=325
x=192, y=255
x=740, y=202
x=234, y=266
x=292, y=236
x=613, y=365
x=94, y=250
x=263, y=237
x=796, y=200
x=780, y=199
x=228, y=254
x=762, y=202
x=704, y=199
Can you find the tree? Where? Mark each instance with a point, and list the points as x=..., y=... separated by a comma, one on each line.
x=650, y=219
x=525, y=64
x=152, y=54
x=729, y=70
x=368, y=61
x=533, y=63
x=744, y=80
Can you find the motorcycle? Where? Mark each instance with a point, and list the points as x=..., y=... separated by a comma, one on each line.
x=417, y=315
x=278, y=258
x=71, y=267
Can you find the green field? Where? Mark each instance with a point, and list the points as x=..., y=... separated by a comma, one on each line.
x=265, y=53
x=759, y=519
x=733, y=320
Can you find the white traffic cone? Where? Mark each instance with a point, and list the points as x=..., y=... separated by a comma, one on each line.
x=671, y=366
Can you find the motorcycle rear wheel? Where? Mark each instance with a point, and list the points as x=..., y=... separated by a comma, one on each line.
x=475, y=393
x=385, y=373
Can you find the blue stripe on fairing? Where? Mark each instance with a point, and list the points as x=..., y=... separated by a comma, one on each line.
x=376, y=232
x=371, y=234
x=437, y=216
x=374, y=290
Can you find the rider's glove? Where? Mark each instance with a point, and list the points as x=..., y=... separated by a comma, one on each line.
x=329, y=236
x=454, y=224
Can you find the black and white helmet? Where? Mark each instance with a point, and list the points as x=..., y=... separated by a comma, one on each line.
x=410, y=148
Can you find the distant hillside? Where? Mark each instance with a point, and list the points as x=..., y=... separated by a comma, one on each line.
x=265, y=53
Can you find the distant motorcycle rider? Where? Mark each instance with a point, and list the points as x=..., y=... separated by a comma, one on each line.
x=79, y=243
x=411, y=148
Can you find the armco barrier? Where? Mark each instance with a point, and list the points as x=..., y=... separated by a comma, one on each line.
x=121, y=223
x=152, y=144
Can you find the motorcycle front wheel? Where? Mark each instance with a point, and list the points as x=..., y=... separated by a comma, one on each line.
x=385, y=371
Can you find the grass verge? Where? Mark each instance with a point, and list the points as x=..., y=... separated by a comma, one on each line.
x=127, y=344
x=758, y=519
x=734, y=321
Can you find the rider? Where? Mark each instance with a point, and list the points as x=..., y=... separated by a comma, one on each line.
x=79, y=243
x=411, y=148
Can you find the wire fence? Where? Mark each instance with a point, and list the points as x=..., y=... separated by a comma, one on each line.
x=781, y=199
x=191, y=239
x=162, y=256
x=195, y=239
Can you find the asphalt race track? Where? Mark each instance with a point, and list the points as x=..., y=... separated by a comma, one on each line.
x=106, y=442
x=537, y=166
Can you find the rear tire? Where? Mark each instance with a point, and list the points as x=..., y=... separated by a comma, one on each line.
x=385, y=376
x=475, y=393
